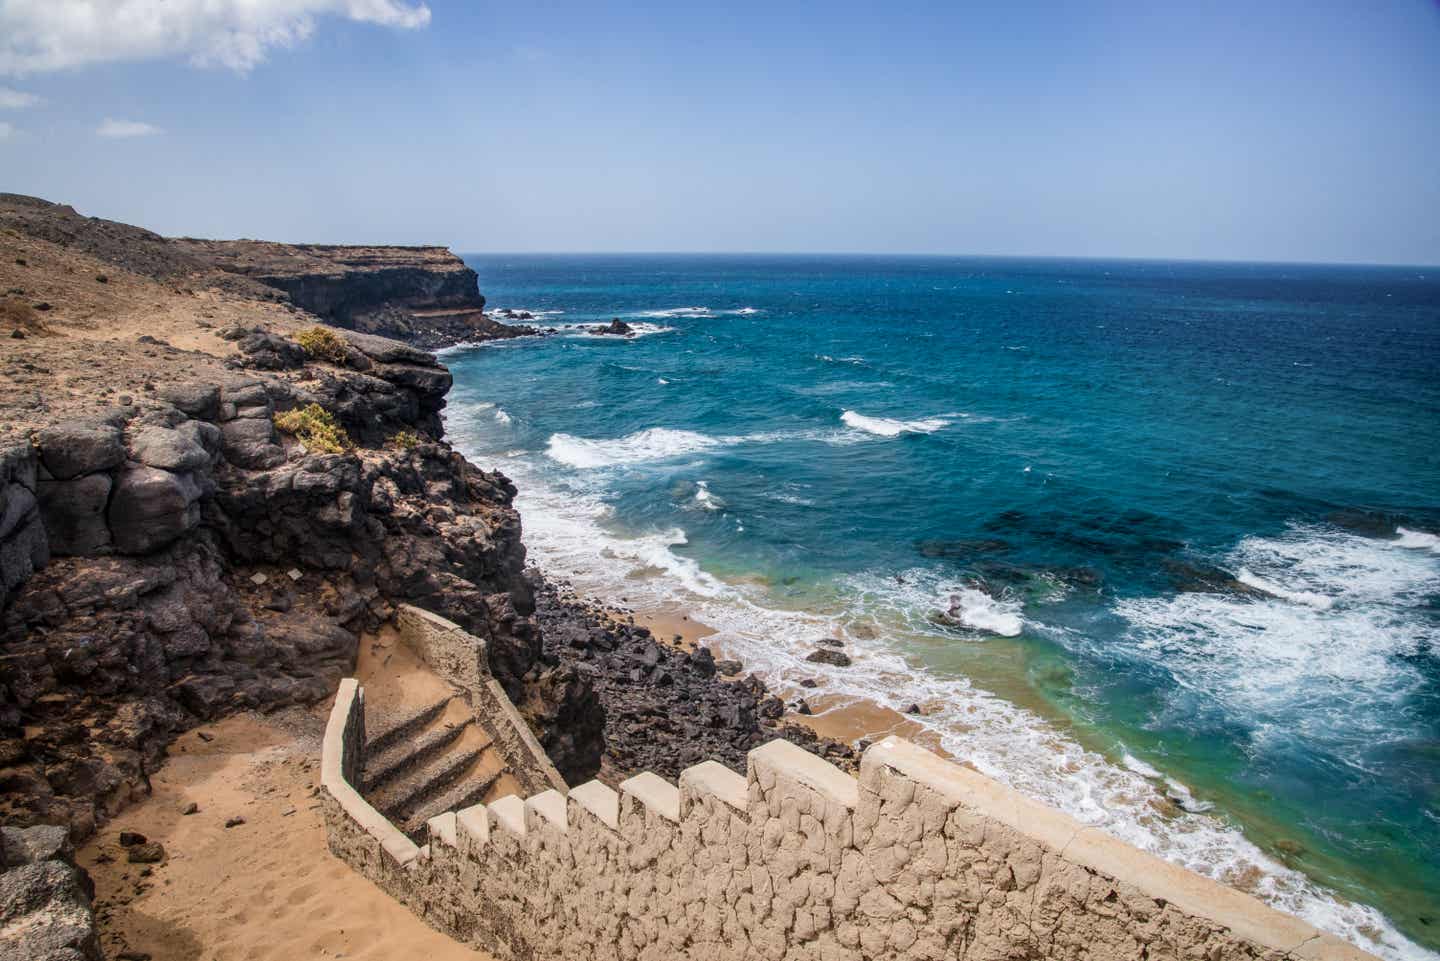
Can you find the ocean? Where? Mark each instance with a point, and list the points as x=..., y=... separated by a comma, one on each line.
x=1155, y=543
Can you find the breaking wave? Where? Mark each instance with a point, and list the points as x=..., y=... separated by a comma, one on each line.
x=886, y=427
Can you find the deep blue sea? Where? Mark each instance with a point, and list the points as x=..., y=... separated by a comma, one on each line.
x=1154, y=542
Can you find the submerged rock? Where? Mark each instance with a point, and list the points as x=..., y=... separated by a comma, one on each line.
x=831, y=657
x=617, y=327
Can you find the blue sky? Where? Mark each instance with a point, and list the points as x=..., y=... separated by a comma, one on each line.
x=1276, y=130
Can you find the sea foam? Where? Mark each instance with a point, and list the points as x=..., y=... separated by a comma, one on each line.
x=886, y=427
x=979, y=610
x=655, y=443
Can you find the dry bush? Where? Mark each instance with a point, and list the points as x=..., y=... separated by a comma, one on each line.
x=20, y=315
x=322, y=343
x=316, y=428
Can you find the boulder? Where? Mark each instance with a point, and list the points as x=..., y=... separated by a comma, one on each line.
x=383, y=350
x=74, y=514
x=44, y=842
x=266, y=351
x=146, y=852
x=168, y=450
x=17, y=505
x=152, y=507
x=250, y=443
x=827, y=656
x=195, y=399
x=45, y=915
x=76, y=447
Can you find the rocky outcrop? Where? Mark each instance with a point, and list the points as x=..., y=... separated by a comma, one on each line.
x=662, y=708
x=44, y=898
x=204, y=562
x=424, y=295
x=169, y=554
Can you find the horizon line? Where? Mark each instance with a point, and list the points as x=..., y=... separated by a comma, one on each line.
x=455, y=249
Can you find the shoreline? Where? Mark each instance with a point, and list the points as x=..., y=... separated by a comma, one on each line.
x=837, y=717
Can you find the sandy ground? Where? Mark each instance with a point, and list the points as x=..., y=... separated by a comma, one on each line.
x=53, y=369
x=264, y=889
x=397, y=683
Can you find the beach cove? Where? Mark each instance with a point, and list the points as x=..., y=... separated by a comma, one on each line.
x=790, y=449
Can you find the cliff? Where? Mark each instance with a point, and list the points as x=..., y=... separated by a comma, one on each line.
x=176, y=545
x=424, y=295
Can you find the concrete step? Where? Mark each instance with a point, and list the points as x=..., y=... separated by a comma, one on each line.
x=397, y=799
x=402, y=729
x=410, y=753
x=465, y=793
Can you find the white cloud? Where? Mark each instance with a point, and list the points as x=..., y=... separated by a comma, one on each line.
x=40, y=35
x=12, y=99
x=7, y=131
x=126, y=128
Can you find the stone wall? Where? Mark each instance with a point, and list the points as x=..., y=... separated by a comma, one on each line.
x=917, y=858
x=460, y=658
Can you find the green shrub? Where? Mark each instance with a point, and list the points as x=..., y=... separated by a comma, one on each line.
x=322, y=343
x=405, y=440
x=316, y=428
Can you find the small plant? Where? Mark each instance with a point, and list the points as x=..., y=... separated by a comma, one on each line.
x=405, y=440
x=20, y=315
x=322, y=343
x=316, y=428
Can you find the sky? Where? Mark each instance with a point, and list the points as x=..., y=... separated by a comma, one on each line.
x=1305, y=131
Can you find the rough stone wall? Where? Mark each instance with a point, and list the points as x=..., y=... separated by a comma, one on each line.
x=919, y=858
x=459, y=657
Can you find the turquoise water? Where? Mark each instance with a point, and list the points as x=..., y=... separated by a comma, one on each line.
x=1095, y=468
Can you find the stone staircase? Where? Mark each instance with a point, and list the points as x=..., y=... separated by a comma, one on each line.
x=427, y=761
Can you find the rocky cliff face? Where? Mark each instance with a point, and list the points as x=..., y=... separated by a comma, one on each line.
x=424, y=295
x=169, y=554
x=179, y=558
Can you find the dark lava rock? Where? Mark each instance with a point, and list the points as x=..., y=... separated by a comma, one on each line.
x=658, y=720
x=729, y=667
x=616, y=326
x=149, y=852
x=152, y=507
x=131, y=838
x=234, y=822
x=74, y=512
x=825, y=656
x=830, y=642
x=913, y=709
x=77, y=447
x=1204, y=579
x=961, y=548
